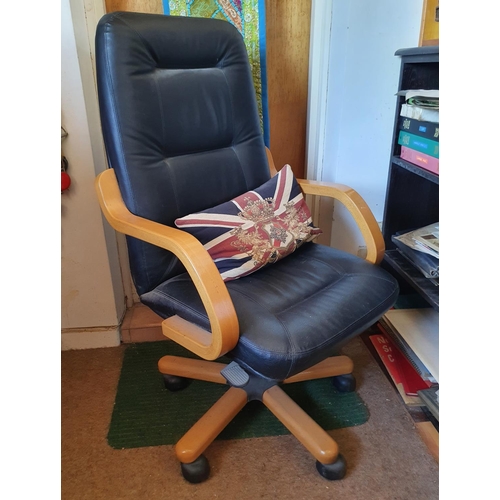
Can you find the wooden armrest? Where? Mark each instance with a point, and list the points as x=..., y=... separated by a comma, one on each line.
x=357, y=207
x=198, y=263
x=270, y=160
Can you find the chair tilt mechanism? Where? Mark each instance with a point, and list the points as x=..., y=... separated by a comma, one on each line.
x=182, y=134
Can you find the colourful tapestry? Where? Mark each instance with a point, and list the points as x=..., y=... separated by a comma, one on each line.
x=248, y=16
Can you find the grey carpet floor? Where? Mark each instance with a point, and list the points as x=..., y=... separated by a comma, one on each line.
x=386, y=457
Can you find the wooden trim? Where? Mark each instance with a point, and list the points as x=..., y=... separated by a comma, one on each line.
x=430, y=436
x=198, y=263
x=147, y=6
x=288, y=31
x=357, y=207
x=429, y=27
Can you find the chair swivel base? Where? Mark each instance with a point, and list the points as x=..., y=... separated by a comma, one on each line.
x=177, y=373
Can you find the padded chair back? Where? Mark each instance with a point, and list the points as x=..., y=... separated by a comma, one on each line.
x=180, y=122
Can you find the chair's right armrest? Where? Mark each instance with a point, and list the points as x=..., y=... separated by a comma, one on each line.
x=359, y=210
x=198, y=263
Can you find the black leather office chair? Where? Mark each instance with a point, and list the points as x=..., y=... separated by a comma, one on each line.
x=182, y=135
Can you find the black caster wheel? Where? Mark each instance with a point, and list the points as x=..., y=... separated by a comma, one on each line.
x=197, y=471
x=174, y=383
x=344, y=383
x=335, y=471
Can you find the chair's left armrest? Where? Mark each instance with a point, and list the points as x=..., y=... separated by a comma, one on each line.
x=357, y=207
x=198, y=263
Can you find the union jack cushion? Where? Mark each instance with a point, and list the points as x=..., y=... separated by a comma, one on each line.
x=254, y=229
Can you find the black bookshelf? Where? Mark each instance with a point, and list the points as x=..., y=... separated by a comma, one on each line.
x=412, y=197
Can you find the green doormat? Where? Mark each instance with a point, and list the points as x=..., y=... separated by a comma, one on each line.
x=147, y=414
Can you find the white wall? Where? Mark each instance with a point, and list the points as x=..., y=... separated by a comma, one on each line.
x=92, y=297
x=362, y=80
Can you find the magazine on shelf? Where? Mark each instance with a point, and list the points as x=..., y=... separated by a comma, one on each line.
x=424, y=239
x=424, y=98
x=419, y=104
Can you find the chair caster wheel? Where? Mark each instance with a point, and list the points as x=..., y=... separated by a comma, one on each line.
x=174, y=383
x=197, y=471
x=335, y=471
x=344, y=383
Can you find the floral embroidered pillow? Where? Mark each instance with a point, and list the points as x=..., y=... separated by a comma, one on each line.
x=254, y=229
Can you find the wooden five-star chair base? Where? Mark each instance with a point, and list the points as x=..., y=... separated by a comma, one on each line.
x=317, y=441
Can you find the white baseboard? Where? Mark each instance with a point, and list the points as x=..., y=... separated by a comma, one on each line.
x=89, y=339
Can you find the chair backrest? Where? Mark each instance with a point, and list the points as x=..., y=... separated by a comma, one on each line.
x=179, y=120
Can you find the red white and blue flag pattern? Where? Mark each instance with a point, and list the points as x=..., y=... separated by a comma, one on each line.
x=257, y=228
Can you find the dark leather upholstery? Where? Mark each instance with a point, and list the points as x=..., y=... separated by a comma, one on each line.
x=294, y=313
x=181, y=129
x=177, y=106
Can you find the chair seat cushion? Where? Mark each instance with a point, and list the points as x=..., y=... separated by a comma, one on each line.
x=295, y=313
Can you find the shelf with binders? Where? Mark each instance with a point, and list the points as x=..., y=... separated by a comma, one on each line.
x=416, y=146
x=418, y=162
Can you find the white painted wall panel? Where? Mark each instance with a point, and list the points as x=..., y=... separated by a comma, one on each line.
x=362, y=82
x=92, y=298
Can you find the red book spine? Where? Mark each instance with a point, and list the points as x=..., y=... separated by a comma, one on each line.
x=398, y=366
x=385, y=351
x=421, y=159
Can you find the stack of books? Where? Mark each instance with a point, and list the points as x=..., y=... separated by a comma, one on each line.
x=418, y=128
x=408, y=346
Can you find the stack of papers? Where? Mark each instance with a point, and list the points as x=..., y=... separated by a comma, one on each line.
x=425, y=239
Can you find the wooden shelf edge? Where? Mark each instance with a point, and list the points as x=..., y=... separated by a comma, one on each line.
x=430, y=436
